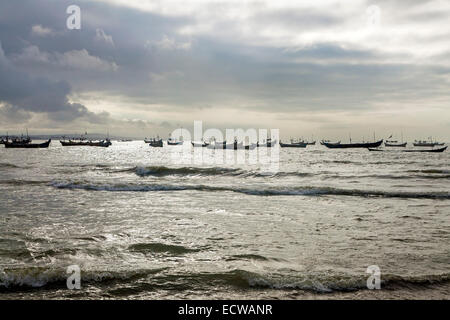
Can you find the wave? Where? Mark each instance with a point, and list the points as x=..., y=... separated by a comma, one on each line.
x=8, y=165
x=20, y=182
x=247, y=257
x=211, y=171
x=390, y=176
x=318, y=283
x=164, y=171
x=142, y=279
x=264, y=191
x=13, y=279
x=431, y=171
x=160, y=248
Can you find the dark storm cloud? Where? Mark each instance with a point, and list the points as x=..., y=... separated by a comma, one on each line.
x=22, y=94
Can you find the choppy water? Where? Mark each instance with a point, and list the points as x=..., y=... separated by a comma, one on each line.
x=139, y=227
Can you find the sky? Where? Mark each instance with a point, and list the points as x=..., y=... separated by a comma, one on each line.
x=138, y=68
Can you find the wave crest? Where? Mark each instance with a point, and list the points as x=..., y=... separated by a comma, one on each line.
x=263, y=191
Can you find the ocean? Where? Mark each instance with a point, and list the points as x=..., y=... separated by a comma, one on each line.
x=140, y=227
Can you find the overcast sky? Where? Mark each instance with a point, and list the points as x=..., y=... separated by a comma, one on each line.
x=137, y=68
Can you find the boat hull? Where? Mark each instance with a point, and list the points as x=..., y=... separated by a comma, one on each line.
x=223, y=146
x=293, y=145
x=400, y=145
x=28, y=145
x=413, y=150
x=424, y=144
x=266, y=144
x=156, y=144
x=179, y=143
x=352, y=145
x=199, y=145
x=104, y=144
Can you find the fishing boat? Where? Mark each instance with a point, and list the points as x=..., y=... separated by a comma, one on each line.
x=27, y=145
x=223, y=145
x=339, y=145
x=394, y=143
x=22, y=139
x=71, y=142
x=308, y=143
x=174, y=142
x=88, y=143
x=411, y=150
x=269, y=143
x=300, y=144
x=424, y=143
x=250, y=146
x=217, y=145
x=201, y=144
x=157, y=143
x=102, y=143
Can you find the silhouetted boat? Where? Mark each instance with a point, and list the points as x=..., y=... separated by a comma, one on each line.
x=199, y=144
x=174, y=143
x=293, y=145
x=423, y=143
x=427, y=143
x=80, y=143
x=16, y=140
x=269, y=143
x=312, y=143
x=70, y=143
x=103, y=143
x=223, y=145
x=157, y=143
x=411, y=150
x=394, y=143
x=250, y=146
x=338, y=145
x=27, y=145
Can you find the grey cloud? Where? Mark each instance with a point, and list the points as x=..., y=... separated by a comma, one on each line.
x=162, y=70
x=22, y=94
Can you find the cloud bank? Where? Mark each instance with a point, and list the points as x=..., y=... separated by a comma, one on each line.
x=324, y=67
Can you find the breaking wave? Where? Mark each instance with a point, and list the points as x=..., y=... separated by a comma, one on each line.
x=38, y=277
x=263, y=191
x=34, y=278
x=164, y=171
x=160, y=248
x=8, y=165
